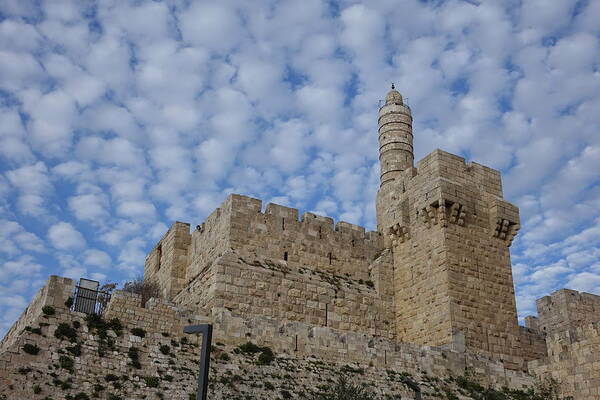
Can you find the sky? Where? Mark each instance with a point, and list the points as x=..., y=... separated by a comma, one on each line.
x=120, y=117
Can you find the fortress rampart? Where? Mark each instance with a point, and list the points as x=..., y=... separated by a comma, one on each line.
x=273, y=264
x=294, y=344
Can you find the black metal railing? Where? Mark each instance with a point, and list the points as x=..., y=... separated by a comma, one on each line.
x=89, y=301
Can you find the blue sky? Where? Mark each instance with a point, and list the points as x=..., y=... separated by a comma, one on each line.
x=119, y=117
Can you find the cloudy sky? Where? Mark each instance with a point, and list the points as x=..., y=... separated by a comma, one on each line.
x=119, y=117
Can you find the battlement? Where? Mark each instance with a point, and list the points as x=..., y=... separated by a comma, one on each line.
x=313, y=241
x=240, y=206
x=567, y=309
x=240, y=225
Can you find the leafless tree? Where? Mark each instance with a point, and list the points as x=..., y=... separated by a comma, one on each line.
x=146, y=288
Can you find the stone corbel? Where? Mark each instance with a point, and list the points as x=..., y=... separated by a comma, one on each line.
x=506, y=230
x=504, y=220
x=398, y=234
x=457, y=214
x=444, y=212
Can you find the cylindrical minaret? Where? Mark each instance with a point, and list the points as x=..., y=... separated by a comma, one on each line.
x=395, y=137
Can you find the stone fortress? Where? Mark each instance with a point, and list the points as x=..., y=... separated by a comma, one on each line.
x=431, y=291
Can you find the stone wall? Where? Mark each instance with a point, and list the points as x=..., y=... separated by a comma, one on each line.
x=100, y=364
x=302, y=340
x=288, y=291
x=167, y=263
x=566, y=309
x=313, y=241
x=53, y=294
x=573, y=361
x=450, y=231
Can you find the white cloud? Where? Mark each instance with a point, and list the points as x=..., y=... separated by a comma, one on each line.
x=64, y=236
x=32, y=182
x=97, y=258
x=213, y=25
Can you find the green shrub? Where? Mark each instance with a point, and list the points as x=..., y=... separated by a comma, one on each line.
x=266, y=356
x=165, y=349
x=66, y=363
x=111, y=378
x=168, y=378
x=31, y=349
x=151, y=381
x=74, y=350
x=112, y=396
x=64, y=330
x=249, y=348
x=285, y=394
x=69, y=302
x=37, y=389
x=98, y=387
x=344, y=389
x=224, y=357
x=269, y=386
x=138, y=332
x=24, y=370
x=81, y=396
x=184, y=341
x=116, y=325
x=134, y=355
x=37, y=331
x=96, y=322
x=48, y=310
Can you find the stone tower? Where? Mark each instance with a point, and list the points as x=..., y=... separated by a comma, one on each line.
x=395, y=138
x=450, y=231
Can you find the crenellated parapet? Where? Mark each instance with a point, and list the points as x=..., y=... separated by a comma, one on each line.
x=241, y=225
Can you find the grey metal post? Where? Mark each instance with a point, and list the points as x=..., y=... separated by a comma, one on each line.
x=413, y=385
x=206, y=331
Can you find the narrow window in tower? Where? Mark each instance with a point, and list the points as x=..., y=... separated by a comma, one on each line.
x=329, y=255
x=285, y=256
x=158, y=256
x=283, y=224
x=320, y=233
x=352, y=242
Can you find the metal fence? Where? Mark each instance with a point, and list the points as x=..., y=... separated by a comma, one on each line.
x=89, y=301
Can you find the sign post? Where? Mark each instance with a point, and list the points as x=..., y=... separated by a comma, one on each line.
x=206, y=331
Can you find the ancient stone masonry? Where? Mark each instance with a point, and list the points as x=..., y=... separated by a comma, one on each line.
x=135, y=352
x=570, y=320
x=565, y=309
x=429, y=293
x=573, y=361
